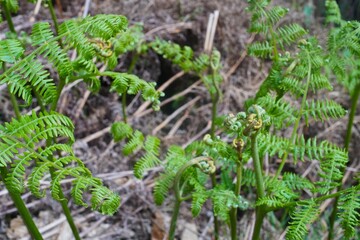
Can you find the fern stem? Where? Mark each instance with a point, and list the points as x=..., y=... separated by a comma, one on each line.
x=12, y=29
x=66, y=210
x=8, y=17
x=233, y=211
x=215, y=100
x=174, y=218
x=177, y=190
x=123, y=97
x=354, y=100
x=260, y=210
x=53, y=16
x=22, y=209
x=297, y=122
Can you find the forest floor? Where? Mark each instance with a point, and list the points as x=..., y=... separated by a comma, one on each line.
x=182, y=119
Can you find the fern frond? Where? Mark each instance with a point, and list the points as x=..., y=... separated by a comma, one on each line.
x=305, y=213
x=333, y=14
x=322, y=110
x=349, y=204
x=296, y=182
x=136, y=142
x=272, y=144
x=175, y=158
x=332, y=166
x=162, y=186
x=132, y=84
x=19, y=145
x=223, y=200
x=59, y=175
x=41, y=34
x=280, y=112
x=16, y=176
x=199, y=197
x=293, y=85
x=80, y=185
x=319, y=81
x=10, y=50
x=261, y=49
x=150, y=159
x=289, y=34
x=120, y=130
x=128, y=40
x=13, y=5
x=104, y=200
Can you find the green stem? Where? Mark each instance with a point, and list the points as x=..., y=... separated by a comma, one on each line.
x=8, y=17
x=53, y=16
x=66, y=210
x=16, y=197
x=123, y=97
x=354, y=100
x=22, y=209
x=174, y=218
x=260, y=210
x=233, y=211
x=297, y=122
x=215, y=100
x=177, y=190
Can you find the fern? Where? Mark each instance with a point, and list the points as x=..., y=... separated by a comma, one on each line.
x=304, y=214
x=349, y=204
x=25, y=136
x=322, y=110
x=150, y=159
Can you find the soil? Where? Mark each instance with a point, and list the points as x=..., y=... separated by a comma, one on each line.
x=184, y=22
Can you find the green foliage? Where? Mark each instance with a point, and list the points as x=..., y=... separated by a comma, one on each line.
x=131, y=84
x=21, y=145
x=350, y=206
x=305, y=213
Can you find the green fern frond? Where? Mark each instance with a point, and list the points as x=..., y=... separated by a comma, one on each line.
x=19, y=146
x=181, y=56
x=136, y=142
x=349, y=204
x=333, y=14
x=280, y=112
x=16, y=176
x=120, y=130
x=199, y=197
x=80, y=185
x=289, y=34
x=162, y=186
x=223, y=200
x=305, y=213
x=10, y=50
x=332, y=166
x=132, y=84
x=104, y=200
x=272, y=144
x=175, y=158
x=35, y=177
x=13, y=5
x=296, y=182
x=59, y=175
x=128, y=40
x=150, y=159
x=322, y=110
x=293, y=85
x=41, y=34
x=261, y=49
x=319, y=81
